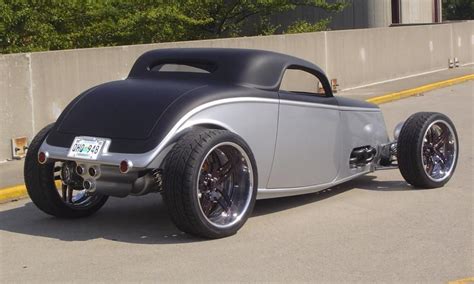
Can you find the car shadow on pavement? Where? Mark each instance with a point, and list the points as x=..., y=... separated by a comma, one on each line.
x=369, y=182
x=144, y=220
x=140, y=220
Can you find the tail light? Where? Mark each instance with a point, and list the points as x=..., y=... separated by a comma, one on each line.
x=42, y=157
x=125, y=166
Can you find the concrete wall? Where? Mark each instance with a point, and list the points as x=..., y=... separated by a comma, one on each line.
x=35, y=87
x=364, y=56
x=16, y=114
x=462, y=40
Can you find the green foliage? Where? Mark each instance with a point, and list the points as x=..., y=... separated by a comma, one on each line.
x=305, y=27
x=28, y=25
x=458, y=10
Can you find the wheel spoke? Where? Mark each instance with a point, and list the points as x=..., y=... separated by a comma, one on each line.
x=226, y=171
x=209, y=208
x=441, y=140
x=429, y=165
x=69, y=194
x=223, y=172
x=441, y=156
x=431, y=136
x=224, y=202
x=441, y=137
x=226, y=198
x=215, y=162
x=206, y=205
x=64, y=192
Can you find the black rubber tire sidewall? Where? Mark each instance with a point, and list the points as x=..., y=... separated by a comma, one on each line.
x=409, y=146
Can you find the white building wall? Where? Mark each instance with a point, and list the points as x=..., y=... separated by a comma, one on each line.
x=379, y=12
x=417, y=11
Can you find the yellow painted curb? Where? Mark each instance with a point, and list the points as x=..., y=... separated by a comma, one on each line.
x=12, y=192
x=415, y=91
x=462, y=281
x=17, y=191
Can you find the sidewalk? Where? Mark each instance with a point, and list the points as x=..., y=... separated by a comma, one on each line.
x=11, y=172
x=376, y=90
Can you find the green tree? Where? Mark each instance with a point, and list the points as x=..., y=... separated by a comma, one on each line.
x=28, y=25
x=458, y=10
x=227, y=18
x=305, y=27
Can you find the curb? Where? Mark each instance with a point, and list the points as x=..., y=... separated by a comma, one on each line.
x=16, y=192
x=462, y=281
x=422, y=89
x=19, y=191
x=13, y=192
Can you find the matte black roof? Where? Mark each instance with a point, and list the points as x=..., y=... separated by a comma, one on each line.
x=253, y=68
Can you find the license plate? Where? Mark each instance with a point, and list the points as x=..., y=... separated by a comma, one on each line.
x=86, y=148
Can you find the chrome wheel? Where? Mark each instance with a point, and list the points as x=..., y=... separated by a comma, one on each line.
x=69, y=186
x=225, y=184
x=439, y=150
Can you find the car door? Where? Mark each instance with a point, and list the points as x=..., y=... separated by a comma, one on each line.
x=308, y=145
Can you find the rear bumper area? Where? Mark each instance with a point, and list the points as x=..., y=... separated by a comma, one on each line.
x=151, y=159
x=104, y=174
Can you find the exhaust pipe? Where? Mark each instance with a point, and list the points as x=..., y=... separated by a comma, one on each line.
x=89, y=185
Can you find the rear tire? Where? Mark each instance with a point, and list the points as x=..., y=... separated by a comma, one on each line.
x=210, y=183
x=41, y=187
x=427, y=150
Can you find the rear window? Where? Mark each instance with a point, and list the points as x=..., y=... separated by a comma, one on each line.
x=301, y=82
x=184, y=67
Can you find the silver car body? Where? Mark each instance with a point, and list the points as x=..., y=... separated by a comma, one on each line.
x=290, y=160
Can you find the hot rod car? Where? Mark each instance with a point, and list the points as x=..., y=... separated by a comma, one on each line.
x=212, y=130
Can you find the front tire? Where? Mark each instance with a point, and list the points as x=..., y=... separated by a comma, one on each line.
x=427, y=150
x=40, y=181
x=210, y=183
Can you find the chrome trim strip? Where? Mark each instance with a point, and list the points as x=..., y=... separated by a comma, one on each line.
x=327, y=106
x=143, y=160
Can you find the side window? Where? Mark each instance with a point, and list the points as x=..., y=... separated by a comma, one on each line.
x=301, y=82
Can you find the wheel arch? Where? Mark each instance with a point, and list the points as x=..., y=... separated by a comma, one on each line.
x=158, y=161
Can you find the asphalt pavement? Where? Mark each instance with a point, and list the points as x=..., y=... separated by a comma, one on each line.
x=372, y=229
